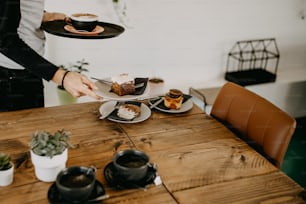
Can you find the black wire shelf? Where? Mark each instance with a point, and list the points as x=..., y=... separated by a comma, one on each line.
x=252, y=62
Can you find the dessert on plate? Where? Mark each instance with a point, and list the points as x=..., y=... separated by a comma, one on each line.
x=174, y=99
x=123, y=84
x=128, y=111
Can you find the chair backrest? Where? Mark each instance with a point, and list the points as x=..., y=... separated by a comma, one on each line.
x=261, y=124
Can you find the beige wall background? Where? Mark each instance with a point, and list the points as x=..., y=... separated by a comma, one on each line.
x=186, y=42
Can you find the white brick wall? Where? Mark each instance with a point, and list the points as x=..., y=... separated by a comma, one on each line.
x=183, y=41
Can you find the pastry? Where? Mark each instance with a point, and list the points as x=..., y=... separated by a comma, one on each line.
x=174, y=99
x=123, y=84
x=128, y=111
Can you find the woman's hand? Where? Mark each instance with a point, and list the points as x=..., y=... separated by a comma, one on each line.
x=53, y=16
x=76, y=84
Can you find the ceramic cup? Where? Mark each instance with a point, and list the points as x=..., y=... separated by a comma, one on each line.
x=7, y=176
x=76, y=183
x=131, y=164
x=84, y=21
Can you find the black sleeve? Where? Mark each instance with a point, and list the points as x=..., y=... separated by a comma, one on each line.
x=15, y=48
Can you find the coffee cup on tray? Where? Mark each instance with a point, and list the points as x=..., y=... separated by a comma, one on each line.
x=83, y=21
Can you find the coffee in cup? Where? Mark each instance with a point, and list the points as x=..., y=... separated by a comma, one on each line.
x=131, y=165
x=84, y=21
x=76, y=183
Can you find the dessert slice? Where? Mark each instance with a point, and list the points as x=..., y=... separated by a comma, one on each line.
x=128, y=111
x=123, y=84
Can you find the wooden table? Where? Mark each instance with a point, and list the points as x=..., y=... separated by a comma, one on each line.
x=198, y=159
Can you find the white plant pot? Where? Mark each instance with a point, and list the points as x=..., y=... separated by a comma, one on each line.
x=46, y=168
x=6, y=176
x=65, y=97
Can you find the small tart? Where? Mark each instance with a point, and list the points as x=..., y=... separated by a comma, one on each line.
x=174, y=99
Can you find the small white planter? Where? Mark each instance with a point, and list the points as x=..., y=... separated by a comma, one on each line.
x=46, y=168
x=6, y=176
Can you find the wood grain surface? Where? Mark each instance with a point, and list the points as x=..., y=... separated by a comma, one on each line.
x=199, y=160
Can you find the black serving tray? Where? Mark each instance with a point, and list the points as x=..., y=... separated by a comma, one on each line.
x=57, y=28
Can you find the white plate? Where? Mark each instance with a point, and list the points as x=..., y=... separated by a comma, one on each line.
x=186, y=106
x=145, y=112
x=104, y=91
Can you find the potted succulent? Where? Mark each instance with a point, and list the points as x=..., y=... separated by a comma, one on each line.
x=63, y=95
x=49, y=153
x=6, y=169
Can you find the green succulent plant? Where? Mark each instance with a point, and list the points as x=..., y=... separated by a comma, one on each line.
x=44, y=143
x=5, y=161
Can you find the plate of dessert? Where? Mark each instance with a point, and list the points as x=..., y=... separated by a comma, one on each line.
x=125, y=111
x=122, y=87
x=174, y=101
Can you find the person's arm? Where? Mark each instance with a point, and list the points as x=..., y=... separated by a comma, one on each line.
x=76, y=84
x=12, y=46
x=53, y=16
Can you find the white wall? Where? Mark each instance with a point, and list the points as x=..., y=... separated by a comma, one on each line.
x=183, y=41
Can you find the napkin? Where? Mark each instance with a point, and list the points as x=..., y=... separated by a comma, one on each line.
x=186, y=97
x=114, y=115
x=141, y=90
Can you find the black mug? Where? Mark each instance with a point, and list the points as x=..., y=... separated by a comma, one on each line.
x=76, y=183
x=131, y=165
x=83, y=21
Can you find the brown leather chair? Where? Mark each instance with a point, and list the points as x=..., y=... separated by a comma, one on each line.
x=261, y=124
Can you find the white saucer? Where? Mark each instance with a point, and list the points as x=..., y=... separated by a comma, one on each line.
x=104, y=91
x=145, y=112
x=186, y=106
